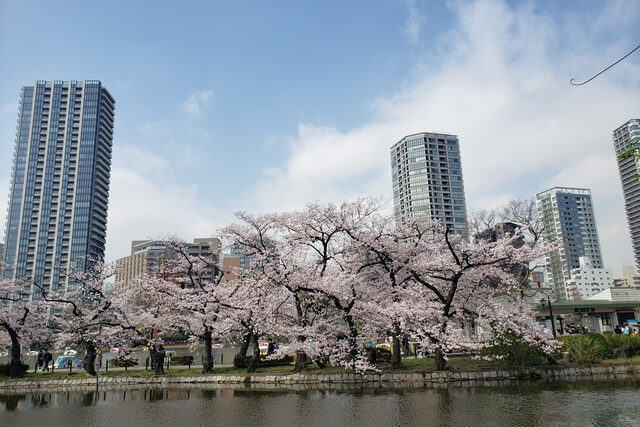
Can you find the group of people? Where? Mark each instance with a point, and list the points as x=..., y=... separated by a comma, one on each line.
x=572, y=329
x=44, y=357
x=625, y=330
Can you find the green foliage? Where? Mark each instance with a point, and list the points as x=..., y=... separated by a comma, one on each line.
x=588, y=348
x=123, y=361
x=513, y=351
x=615, y=341
x=383, y=354
x=5, y=369
x=243, y=361
x=182, y=359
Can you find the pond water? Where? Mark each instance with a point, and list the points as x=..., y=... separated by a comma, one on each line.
x=613, y=403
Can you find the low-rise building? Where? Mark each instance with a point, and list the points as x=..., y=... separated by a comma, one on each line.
x=587, y=280
x=629, y=277
x=601, y=312
x=150, y=257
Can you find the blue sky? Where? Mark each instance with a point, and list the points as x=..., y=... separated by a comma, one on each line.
x=265, y=106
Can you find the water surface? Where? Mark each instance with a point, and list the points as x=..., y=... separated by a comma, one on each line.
x=608, y=403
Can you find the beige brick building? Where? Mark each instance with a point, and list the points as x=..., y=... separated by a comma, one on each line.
x=150, y=257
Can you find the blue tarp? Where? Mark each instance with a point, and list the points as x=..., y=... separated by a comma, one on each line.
x=62, y=362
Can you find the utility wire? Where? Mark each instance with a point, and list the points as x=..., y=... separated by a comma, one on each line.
x=619, y=60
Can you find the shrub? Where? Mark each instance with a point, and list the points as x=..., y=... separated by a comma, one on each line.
x=588, y=348
x=513, y=351
x=383, y=354
x=615, y=341
x=5, y=369
x=243, y=361
x=123, y=361
x=182, y=359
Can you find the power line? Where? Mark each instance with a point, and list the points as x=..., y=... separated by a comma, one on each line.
x=619, y=60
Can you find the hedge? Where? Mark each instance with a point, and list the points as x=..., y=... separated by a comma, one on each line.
x=243, y=361
x=513, y=351
x=182, y=359
x=123, y=362
x=5, y=369
x=593, y=348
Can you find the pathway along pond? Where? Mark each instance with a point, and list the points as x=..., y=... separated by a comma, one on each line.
x=610, y=403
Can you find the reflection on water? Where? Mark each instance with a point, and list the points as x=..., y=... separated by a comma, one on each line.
x=603, y=404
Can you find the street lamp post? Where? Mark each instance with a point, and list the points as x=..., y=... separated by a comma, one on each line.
x=553, y=323
x=559, y=319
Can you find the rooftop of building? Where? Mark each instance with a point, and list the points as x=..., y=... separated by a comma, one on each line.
x=424, y=134
x=567, y=190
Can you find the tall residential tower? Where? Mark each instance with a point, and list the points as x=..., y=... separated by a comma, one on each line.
x=569, y=223
x=57, y=214
x=625, y=137
x=427, y=179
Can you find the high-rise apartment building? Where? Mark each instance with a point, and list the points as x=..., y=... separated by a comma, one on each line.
x=57, y=213
x=427, y=179
x=625, y=137
x=570, y=224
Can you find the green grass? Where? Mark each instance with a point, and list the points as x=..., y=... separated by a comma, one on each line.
x=426, y=364
x=634, y=359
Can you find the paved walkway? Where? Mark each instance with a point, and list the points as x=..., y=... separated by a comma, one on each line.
x=196, y=368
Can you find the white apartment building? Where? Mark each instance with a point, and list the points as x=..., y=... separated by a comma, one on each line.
x=587, y=280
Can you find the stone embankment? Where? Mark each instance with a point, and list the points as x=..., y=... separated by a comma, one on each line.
x=337, y=381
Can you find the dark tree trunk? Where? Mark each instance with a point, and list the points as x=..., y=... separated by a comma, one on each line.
x=90, y=354
x=254, y=363
x=322, y=362
x=440, y=361
x=301, y=361
x=15, y=365
x=157, y=359
x=405, y=346
x=396, y=354
x=246, y=340
x=373, y=357
x=207, y=363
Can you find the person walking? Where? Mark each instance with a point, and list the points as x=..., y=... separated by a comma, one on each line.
x=40, y=360
x=47, y=357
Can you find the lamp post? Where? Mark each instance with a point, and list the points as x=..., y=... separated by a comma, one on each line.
x=559, y=319
x=543, y=303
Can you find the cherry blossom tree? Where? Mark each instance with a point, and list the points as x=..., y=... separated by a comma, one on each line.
x=83, y=313
x=310, y=261
x=144, y=319
x=341, y=274
x=184, y=297
x=465, y=284
x=21, y=322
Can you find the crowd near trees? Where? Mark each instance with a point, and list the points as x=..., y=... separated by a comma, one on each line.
x=323, y=281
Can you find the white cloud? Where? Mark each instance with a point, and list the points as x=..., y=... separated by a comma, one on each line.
x=145, y=202
x=11, y=108
x=414, y=22
x=196, y=104
x=130, y=157
x=503, y=88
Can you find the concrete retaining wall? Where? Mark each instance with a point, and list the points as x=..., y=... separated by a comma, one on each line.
x=309, y=381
